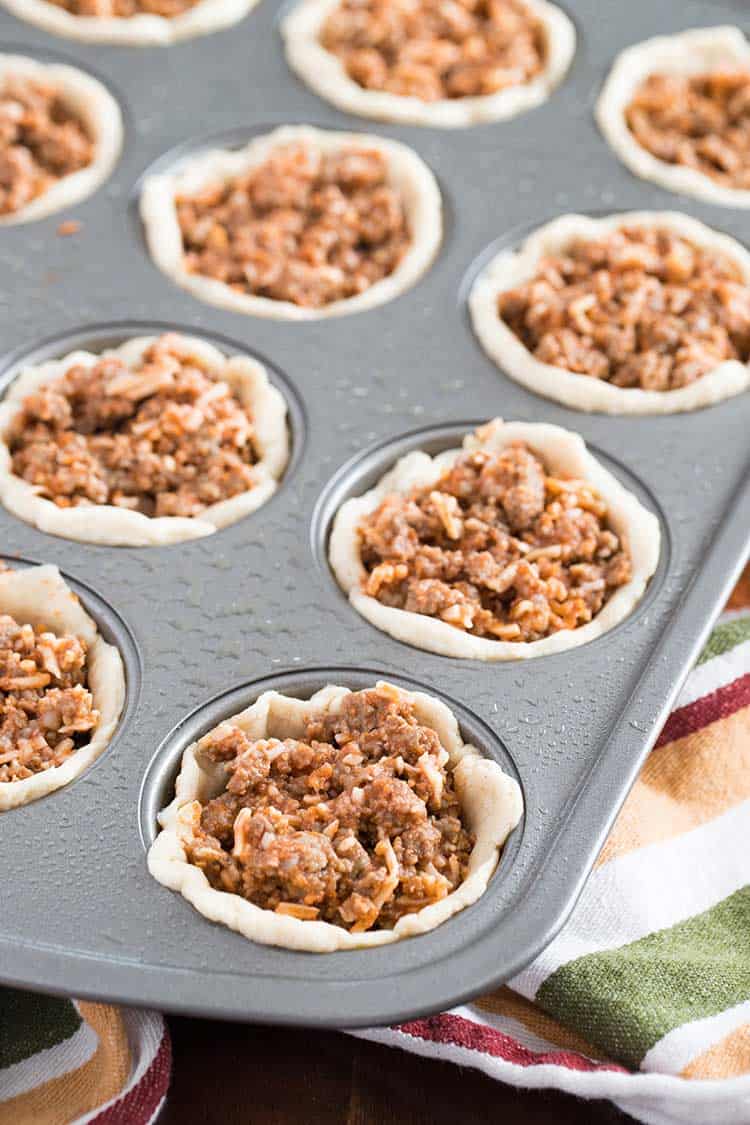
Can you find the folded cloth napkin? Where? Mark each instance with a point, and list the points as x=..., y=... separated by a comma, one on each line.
x=65, y=1061
x=643, y=998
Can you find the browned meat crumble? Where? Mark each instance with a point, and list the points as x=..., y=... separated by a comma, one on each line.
x=124, y=9
x=357, y=824
x=69, y=227
x=300, y=227
x=166, y=439
x=433, y=49
x=496, y=547
x=637, y=308
x=41, y=140
x=46, y=709
x=702, y=122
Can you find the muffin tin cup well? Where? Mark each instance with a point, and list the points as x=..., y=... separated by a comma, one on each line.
x=364, y=471
x=98, y=338
x=114, y=629
x=200, y=160
x=240, y=606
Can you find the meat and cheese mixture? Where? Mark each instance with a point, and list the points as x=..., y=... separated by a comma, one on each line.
x=41, y=140
x=436, y=49
x=637, y=307
x=356, y=824
x=496, y=547
x=125, y=9
x=46, y=709
x=301, y=227
x=165, y=439
x=701, y=122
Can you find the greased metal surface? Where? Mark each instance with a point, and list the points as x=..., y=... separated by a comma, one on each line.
x=255, y=605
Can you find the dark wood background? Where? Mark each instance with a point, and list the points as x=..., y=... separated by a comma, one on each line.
x=233, y=1074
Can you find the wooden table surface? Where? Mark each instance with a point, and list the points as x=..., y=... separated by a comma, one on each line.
x=232, y=1074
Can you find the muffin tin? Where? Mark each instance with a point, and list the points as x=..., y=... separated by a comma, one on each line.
x=206, y=625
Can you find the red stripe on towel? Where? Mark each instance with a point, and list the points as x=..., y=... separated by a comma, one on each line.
x=709, y=709
x=460, y=1032
x=139, y=1105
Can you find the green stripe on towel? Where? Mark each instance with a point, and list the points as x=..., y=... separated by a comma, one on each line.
x=725, y=637
x=625, y=1000
x=31, y=1023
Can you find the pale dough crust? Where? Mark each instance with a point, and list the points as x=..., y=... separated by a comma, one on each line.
x=40, y=596
x=511, y=268
x=143, y=30
x=699, y=51
x=324, y=72
x=117, y=527
x=408, y=174
x=99, y=112
x=562, y=452
x=490, y=800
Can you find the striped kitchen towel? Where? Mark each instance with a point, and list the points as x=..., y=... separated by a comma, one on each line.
x=63, y=1061
x=644, y=996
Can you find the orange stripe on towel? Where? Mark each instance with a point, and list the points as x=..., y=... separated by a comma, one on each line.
x=740, y=597
x=684, y=784
x=503, y=1002
x=728, y=1059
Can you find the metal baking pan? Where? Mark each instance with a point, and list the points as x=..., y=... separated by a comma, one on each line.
x=206, y=625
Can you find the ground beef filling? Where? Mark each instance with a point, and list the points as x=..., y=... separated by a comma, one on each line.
x=433, y=49
x=356, y=824
x=301, y=227
x=165, y=439
x=636, y=308
x=124, y=9
x=496, y=547
x=41, y=140
x=46, y=709
x=701, y=122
